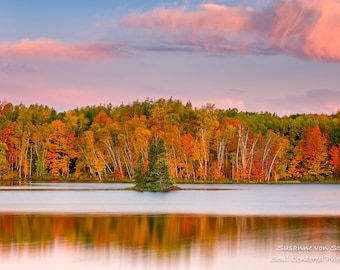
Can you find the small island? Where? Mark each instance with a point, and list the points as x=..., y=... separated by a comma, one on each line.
x=153, y=175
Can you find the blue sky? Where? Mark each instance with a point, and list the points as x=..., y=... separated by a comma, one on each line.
x=278, y=56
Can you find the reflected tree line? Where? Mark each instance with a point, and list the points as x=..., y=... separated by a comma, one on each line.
x=163, y=232
x=202, y=144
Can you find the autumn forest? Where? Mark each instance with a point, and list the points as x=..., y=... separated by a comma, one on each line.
x=103, y=143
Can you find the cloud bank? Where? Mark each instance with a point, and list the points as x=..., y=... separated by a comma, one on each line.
x=47, y=48
x=313, y=101
x=302, y=28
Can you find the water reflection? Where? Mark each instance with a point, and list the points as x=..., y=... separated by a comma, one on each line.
x=161, y=241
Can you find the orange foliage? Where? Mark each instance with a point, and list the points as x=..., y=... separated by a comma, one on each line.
x=61, y=148
x=334, y=153
x=102, y=119
x=11, y=139
x=202, y=144
x=312, y=155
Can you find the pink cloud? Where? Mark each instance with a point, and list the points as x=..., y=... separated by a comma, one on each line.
x=209, y=18
x=221, y=103
x=51, y=48
x=62, y=99
x=312, y=101
x=304, y=28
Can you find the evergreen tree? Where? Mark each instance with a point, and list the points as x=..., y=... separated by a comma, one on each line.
x=139, y=172
x=157, y=177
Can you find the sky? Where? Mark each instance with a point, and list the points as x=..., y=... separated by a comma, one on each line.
x=277, y=56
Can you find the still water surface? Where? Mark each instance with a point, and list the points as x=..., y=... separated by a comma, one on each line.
x=102, y=226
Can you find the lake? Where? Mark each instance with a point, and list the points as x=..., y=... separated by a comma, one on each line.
x=103, y=226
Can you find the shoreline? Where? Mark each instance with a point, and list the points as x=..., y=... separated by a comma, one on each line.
x=207, y=182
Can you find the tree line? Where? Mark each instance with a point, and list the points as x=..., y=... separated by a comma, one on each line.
x=109, y=143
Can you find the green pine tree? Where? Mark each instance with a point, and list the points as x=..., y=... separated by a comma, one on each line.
x=139, y=172
x=157, y=178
